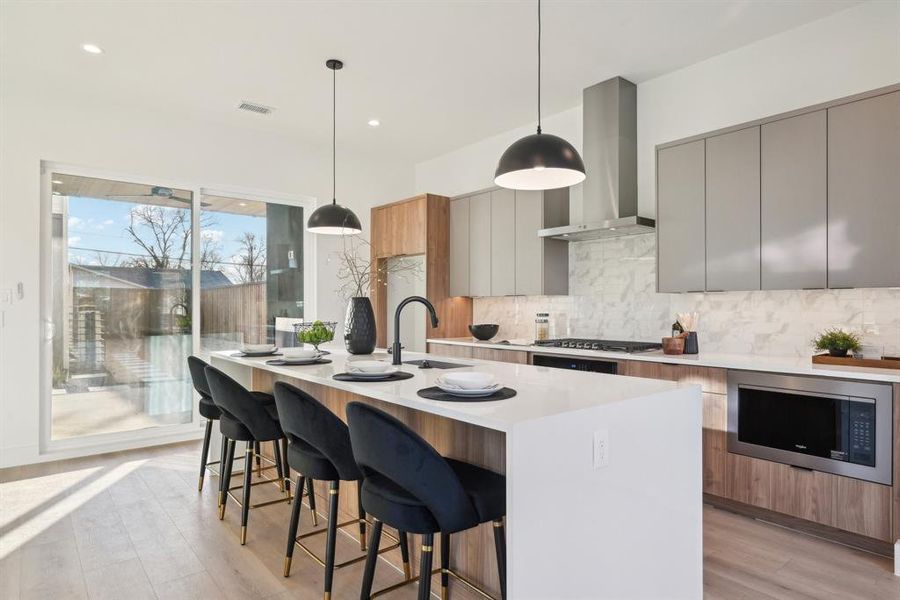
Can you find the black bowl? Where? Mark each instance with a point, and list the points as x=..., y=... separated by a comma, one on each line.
x=484, y=331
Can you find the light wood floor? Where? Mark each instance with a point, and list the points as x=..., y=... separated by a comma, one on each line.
x=132, y=525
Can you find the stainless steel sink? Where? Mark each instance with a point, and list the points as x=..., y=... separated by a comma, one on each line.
x=434, y=364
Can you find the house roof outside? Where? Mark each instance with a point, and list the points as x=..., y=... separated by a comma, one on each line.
x=88, y=276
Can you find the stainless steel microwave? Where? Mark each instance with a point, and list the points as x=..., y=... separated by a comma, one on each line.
x=835, y=426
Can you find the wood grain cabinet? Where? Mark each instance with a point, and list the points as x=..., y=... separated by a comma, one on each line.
x=794, y=202
x=864, y=193
x=681, y=214
x=494, y=245
x=732, y=211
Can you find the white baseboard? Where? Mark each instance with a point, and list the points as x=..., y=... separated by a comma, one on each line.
x=31, y=454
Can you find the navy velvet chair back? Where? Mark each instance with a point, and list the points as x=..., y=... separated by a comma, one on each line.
x=305, y=418
x=237, y=402
x=384, y=445
x=198, y=376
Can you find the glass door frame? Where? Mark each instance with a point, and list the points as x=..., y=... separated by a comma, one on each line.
x=151, y=436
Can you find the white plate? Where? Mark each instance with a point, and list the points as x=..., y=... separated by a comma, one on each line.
x=468, y=380
x=257, y=348
x=370, y=367
x=472, y=393
x=372, y=375
x=469, y=393
x=300, y=361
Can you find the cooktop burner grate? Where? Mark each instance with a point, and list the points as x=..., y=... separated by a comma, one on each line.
x=606, y=345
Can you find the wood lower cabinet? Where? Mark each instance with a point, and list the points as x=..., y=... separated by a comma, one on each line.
x=450, y=350
x=509, y=356
x=844, y=503
x=715, y=443
x=712, y=380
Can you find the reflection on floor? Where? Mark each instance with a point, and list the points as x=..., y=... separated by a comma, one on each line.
x=106, y=410
x=132, y=525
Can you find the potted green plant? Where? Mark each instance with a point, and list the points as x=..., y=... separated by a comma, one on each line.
x=837, y=342
x=315, y=333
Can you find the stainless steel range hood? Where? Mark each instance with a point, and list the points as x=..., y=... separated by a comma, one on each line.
x=609, y=200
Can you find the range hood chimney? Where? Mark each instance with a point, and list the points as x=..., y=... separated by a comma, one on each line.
x=610, y=158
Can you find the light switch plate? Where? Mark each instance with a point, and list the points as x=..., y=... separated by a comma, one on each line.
x=601, y=449
x=5, y=296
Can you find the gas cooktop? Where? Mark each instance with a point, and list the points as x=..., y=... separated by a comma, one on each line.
x=607, y=345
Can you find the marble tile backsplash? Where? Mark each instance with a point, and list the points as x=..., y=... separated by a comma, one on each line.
x=612, y=287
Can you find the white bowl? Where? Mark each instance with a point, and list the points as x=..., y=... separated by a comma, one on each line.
x=257, y=348
x=368, y=366
x=294, y=353
x=469, y=380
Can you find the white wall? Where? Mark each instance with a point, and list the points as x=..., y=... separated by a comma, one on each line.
x=85, y=131
x=849, y=52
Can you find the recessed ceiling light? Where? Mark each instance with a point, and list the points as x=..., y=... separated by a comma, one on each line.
x=242, y=204
x=374, y=122
x=57, y=182
x=92, y=48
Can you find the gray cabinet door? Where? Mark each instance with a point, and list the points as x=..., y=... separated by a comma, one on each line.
x=794, y=202
x=503, y=242
x=529, y=247
x=680, y=214
x=864, y=193
x=732, y=211
x=480, y=245
x=459, y=247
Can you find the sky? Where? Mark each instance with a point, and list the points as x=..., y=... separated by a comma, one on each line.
x=97, y=232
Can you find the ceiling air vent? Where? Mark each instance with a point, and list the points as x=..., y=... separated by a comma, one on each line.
x=253, y=107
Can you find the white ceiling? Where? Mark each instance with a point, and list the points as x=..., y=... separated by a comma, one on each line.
x=437, y=74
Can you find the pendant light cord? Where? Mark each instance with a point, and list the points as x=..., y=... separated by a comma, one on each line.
x=539, y=67
x=334, y=136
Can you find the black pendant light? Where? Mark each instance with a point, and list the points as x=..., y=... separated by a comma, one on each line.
x=540, y=161
x=334, y=219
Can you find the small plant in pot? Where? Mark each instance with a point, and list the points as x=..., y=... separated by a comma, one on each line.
x=837, y=342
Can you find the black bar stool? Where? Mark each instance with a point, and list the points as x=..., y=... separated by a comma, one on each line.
x=319, y=448
x=411, y=487
x=244, y=417
x=208, y=410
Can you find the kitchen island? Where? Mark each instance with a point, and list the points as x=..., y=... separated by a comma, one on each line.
x=603, y=472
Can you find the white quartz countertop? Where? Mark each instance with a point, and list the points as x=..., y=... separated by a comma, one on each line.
x=744, y=362
x=542, y=392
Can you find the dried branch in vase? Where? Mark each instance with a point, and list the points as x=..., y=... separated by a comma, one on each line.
x=356, y=272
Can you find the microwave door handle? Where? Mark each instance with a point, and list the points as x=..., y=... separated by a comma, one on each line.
x=801, y=393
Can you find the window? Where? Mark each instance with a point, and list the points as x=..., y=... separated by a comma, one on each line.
x=133, y=291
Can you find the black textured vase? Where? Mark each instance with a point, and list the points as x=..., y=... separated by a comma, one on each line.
x=359, y=326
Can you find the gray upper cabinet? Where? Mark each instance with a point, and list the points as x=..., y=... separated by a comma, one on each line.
x=529, y=247
x=503, y=242
x=459, y=247
x=732, y=211
x=794, y=202
x=804, y=200
x=542, y=265
x=680, y=216
x=864, y=193
x=479, y=245
x=494, y=245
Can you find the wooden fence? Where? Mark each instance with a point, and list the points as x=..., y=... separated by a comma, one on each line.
x=235, y=309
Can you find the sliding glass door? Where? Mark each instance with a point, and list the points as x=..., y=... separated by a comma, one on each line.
x=141, y=276
x=121, y=278
x=252, y=278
